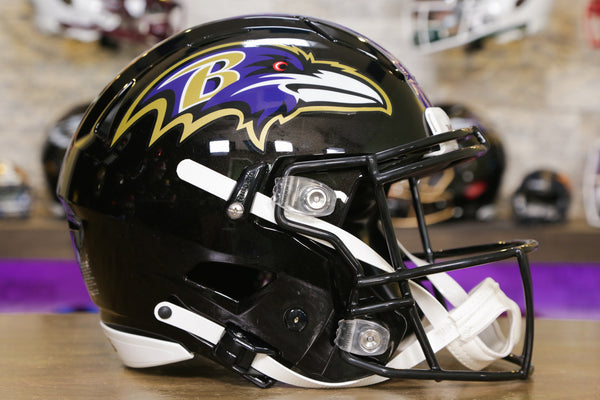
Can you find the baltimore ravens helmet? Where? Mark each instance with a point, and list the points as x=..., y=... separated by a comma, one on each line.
x=226, y=195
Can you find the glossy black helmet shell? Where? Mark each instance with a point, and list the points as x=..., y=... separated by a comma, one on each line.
x=253, y=101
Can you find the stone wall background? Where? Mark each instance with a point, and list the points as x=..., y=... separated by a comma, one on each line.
x=540, y=94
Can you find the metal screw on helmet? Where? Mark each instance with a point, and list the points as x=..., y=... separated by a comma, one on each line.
x=295, y=319
x=165, y=312
x=362, y=337
x=370, y=340
x=235, y=210
x=304, y=196
x=315, y=198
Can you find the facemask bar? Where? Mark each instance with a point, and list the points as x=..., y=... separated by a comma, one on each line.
x=409, y=162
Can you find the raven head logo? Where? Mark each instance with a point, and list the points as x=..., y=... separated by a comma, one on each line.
x=260, y=85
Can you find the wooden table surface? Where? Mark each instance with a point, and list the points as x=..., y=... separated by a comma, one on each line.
x=65, y=356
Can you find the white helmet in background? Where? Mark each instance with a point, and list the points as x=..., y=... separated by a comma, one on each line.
x=442, y=24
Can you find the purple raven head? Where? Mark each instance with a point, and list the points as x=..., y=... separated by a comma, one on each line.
x=260, y=85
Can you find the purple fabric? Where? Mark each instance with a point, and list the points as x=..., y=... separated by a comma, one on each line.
x=46, y=286
x=560, y=290
x=565, y=291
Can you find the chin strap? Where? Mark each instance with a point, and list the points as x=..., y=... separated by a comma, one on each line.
x=458, y=330
x=469, y=331
x=476, y=348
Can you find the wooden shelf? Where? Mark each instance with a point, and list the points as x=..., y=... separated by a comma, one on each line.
x=575, y=241
x=39, y=238
x=42, y=354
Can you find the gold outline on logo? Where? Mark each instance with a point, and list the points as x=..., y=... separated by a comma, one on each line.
x=190, y=125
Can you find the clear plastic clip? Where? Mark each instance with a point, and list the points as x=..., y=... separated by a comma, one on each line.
x=304, y=196
x=362, y=337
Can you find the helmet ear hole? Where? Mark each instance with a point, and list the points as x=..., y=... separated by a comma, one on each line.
x=233, y=282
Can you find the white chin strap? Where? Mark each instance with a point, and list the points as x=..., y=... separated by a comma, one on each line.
x=469, y=331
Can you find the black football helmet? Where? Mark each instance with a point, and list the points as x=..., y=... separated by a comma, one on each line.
x=55, y=146
x=226, y=196
x=544, y=196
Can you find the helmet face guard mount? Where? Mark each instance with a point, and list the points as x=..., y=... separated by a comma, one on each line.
x=276, y=255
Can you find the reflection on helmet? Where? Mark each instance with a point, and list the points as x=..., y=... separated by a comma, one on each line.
x=226, y=195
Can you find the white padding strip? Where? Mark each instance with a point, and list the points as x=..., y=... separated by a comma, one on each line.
x=190, y=322
x=139, y=351
x=270, y=367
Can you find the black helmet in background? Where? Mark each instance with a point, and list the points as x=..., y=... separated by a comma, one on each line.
x=544, y=196
x=55, y=146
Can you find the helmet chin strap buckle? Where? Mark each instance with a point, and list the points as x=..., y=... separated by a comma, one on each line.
x=231, y=346
x=237, y=350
